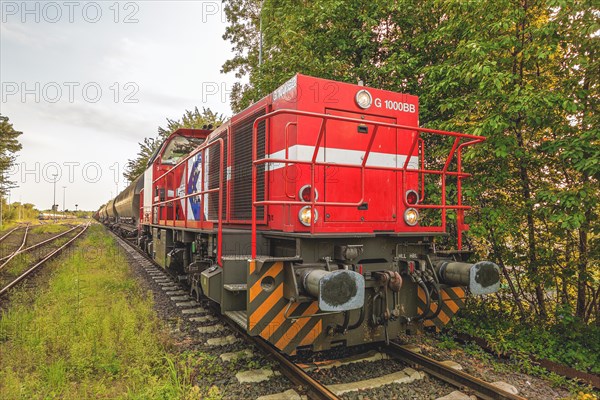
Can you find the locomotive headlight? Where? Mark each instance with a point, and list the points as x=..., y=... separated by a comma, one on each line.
x=411, y=216
x=412, y=197
x=305, y=215
x=305, y=193
x=363, y=99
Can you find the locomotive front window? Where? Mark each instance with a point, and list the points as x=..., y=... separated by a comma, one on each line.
x=178, y=148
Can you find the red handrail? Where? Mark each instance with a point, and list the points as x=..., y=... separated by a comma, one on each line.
x=202, y=148
x=313, y=163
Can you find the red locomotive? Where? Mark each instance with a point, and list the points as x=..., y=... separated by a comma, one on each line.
x=310, y=218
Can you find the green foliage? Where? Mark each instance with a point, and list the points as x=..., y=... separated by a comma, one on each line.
x=17, y=212
x=525, y=74
x=135, y=167
x=9, y=145
x=190, y=119
x=93, y=333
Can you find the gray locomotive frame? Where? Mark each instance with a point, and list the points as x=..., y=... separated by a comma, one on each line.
x=370, y=309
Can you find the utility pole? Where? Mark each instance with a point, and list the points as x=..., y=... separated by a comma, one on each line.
x=54, y=198
x=64, y=190
x=1, y=195
x=260, y=37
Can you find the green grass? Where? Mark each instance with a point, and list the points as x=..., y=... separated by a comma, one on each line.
x=49, y=228
x=92, y=333
x=7, y=226
x=24, y=261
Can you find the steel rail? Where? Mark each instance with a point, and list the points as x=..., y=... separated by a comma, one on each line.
x=6, y=288
x=318, y=391
x=9, y=232
x=293, y=372
x=13, y=255
x=43, y=242
x=482, y=389
x=314, y=389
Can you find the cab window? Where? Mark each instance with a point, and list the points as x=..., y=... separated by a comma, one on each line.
x=178, y=148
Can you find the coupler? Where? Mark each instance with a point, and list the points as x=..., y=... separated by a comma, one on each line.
x=482, y=277
x=336, y=291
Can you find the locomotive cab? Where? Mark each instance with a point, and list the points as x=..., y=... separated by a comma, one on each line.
x=157, y=189
x=156, y=178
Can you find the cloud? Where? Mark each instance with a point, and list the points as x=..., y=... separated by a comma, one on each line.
x=30, y=35
x=169, y=54
x=98, y=117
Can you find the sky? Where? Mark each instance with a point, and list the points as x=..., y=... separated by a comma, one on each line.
x=86, y=81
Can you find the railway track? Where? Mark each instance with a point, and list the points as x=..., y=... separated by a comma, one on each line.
x=7, y=259
x=299, y=374
x=7, y=234
x=13, y=281
x=39, y=244
x=422, y=365
x=317, y=390
x=457, y=378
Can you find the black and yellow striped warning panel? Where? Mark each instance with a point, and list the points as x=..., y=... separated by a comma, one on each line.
x=453, y=299
x=267, y=307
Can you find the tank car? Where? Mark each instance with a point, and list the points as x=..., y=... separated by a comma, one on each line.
x=314, y=217
x=104, y=213
x=49, y=216
x=127, y=208
x=111, y=213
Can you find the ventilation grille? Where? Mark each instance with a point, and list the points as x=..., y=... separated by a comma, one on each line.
x=241, y=192
x=214, y=164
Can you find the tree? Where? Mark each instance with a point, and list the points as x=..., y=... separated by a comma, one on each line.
x=528, y=81
x=327, y=38
x=9, y=145
x=190, y=119
x=136, y=166
x=576, y=144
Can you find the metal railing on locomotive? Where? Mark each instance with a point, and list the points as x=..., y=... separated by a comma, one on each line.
x=417, y=141
x=457, y=148
x=202, y=193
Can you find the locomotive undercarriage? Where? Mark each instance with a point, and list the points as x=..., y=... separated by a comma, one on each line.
x=325, y=291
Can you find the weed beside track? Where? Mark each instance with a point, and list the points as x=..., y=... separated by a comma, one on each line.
x=88, y=331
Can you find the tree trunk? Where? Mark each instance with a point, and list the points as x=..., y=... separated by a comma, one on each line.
x=531, y=239
x=511, y=285
x=518, y=71
x=582, y=275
